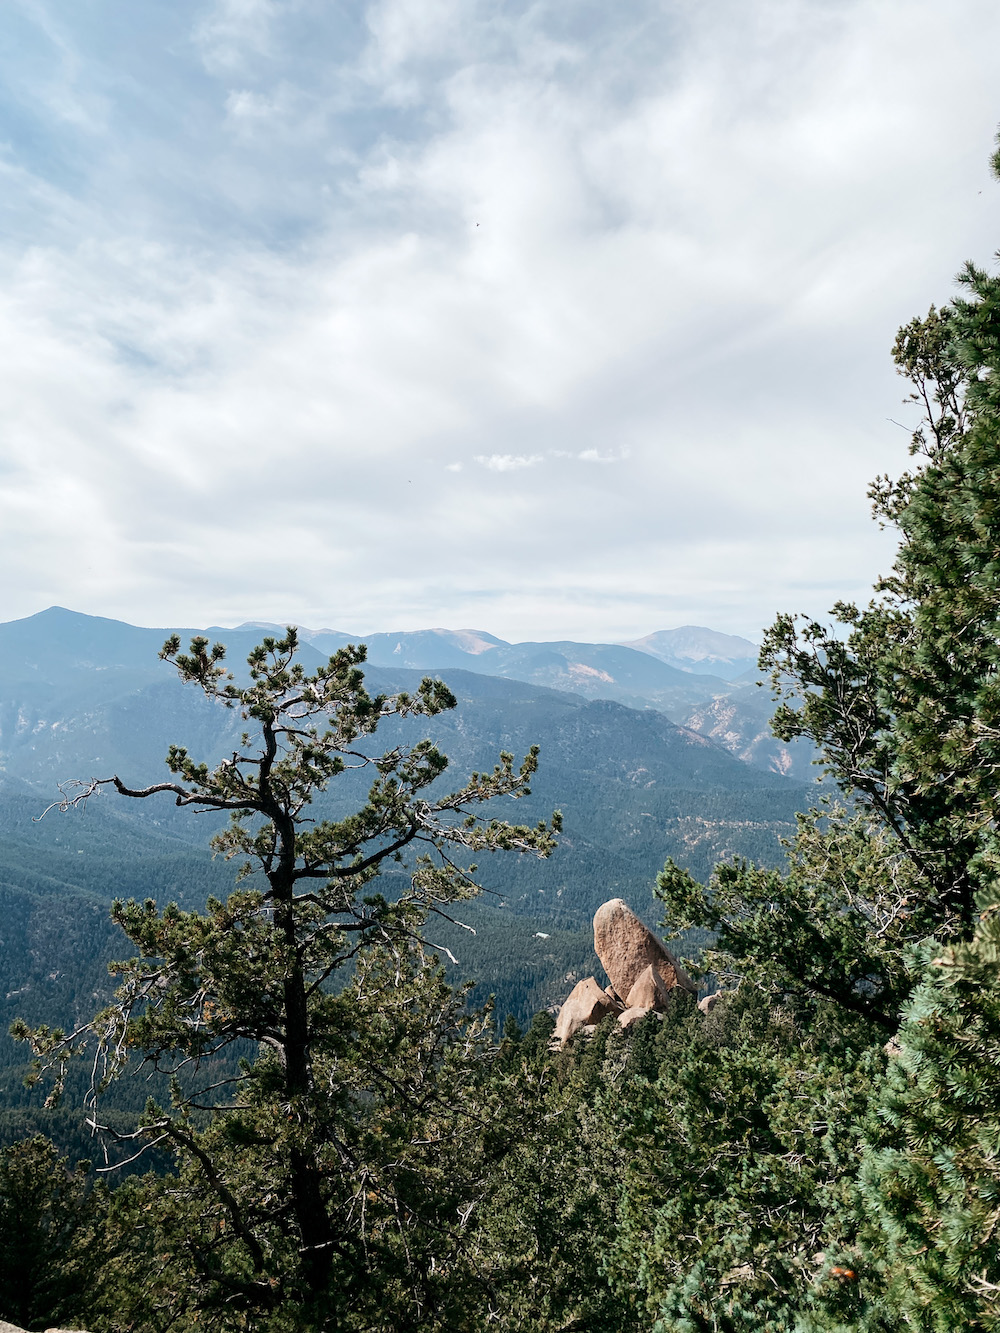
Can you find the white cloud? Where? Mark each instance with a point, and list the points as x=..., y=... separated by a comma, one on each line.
x=509, y=462
x=678, y=238
x=595, y=456
x=243, y=105
x=235, y=30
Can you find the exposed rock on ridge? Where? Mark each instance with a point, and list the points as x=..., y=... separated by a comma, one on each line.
x=627, y=948
x=648, y=991
x=639, y=967
x=585, y=1006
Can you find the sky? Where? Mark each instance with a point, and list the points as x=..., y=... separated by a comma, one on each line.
x=557, y=319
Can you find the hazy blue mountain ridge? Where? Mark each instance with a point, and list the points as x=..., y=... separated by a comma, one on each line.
x=695, y=648
x=596, y=670
x=670, y=671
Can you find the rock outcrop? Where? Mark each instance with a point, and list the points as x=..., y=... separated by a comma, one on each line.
x=585, y=1006
x=648, y=991
x=627, y=948
x=628, y=1018
x=639, y=968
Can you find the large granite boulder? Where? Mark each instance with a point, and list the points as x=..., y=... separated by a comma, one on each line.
x=648, y=991
x=629, y=1017
x=627, y=948
x=585, y=1006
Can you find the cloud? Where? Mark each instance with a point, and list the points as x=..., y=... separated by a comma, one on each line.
x=245, y=106
x=269, y=272
x=595, y=456
x=233, y=31
x=509, y=462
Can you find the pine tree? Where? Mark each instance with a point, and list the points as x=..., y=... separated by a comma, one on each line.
x=887, y=904
x=341, y=1143
x=51, y=1238
x=902, y=699
x=932, y=1172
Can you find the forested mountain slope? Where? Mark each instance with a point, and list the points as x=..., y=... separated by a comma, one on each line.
x=672, y=671
x=81, y=696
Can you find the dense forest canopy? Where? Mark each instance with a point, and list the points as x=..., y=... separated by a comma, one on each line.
x=817, y=1152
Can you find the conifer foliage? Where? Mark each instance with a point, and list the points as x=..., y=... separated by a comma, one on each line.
x=888, y=906
x=51, y=1237
x=931, y=1177
x=339, y=1145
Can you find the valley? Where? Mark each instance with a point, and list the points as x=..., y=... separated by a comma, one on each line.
x=83, y=696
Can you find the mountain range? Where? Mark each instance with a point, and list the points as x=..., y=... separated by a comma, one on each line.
x=700, y=678
x=84, y=696
x=690, y=648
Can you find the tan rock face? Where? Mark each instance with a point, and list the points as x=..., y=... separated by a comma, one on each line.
x=708, y=1002
x=648, y=991
x=633, y=1015
x=627, y=948
x=586, y=1004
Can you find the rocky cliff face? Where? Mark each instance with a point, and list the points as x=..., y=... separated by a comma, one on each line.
x=740, y=721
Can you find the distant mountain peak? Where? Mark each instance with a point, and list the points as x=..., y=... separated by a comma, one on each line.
x=474, y=641
x=272, y=627
x=267, y=625
x=699, y=649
